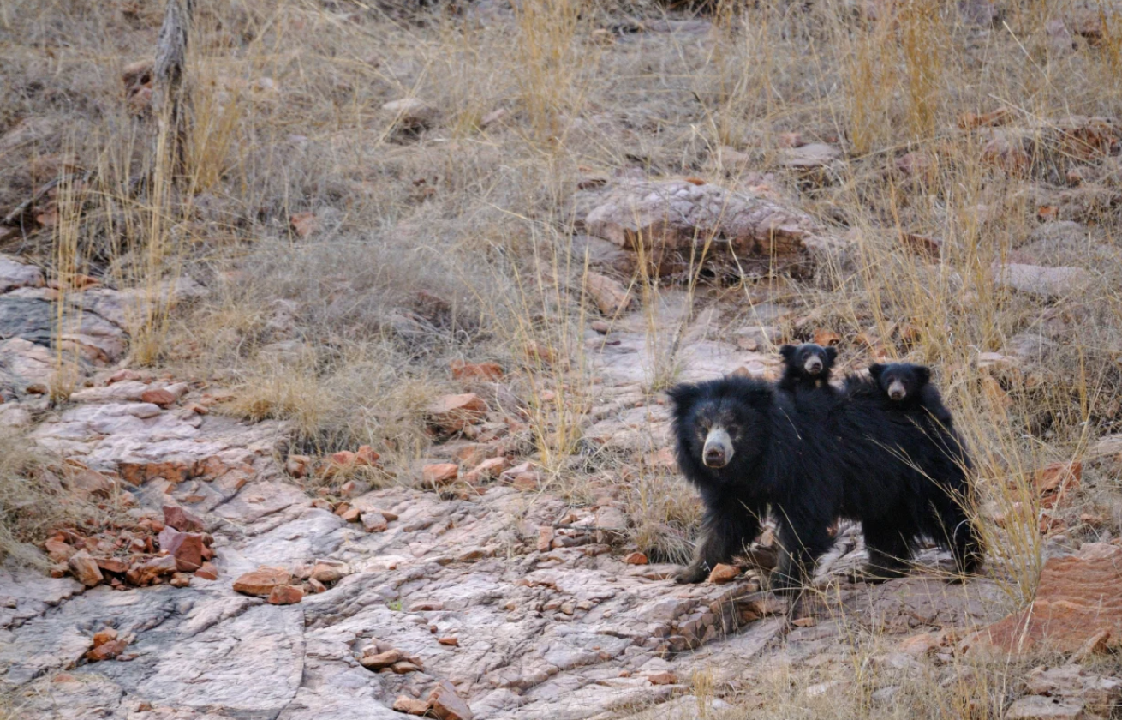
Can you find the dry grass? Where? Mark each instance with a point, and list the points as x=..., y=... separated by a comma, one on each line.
x=455, y=241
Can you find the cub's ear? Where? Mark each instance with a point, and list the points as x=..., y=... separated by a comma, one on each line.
x=787, y=351
x=684, y=396
x=876, y=369
x=831, y=352
x=923, y=374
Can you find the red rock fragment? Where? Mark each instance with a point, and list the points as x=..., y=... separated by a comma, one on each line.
x=452, y=413
x=439, y=474
x=662, y=678
x=286, y=595
x=636, y=558
x=84, y=568
x=723, y=573
x=186, y=548
x=476, y=371
x=158, y=396
x=106, y=651
x=447, y=705
x=411, y=706
x=207, y=572
x=261, y=581
x=181, y=519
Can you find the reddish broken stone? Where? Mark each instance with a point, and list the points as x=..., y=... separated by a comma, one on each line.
x=545, y=538
x=636, y=558
x=449, y=641
x=187, y=548
x=374, y=522
x=487, y=470
x=181, y=519
x=662, y=678
x=180, y=580
x=440, y=474
x=1054, y=482
x=144, y=573
x=103, y=636
x=299, y=466
x=476, y=371
x=58, y=550
x=411, y=706
x=379, y=660
x=207, y=572
x=106, y=651
x=84, y=568
x=286, y=594
x=261, y=581
x=113, y=565
x=1076, y=602
x=447, y=704
x=158, y=396
x=328, y=572
x=723, y=573
x=452, y=413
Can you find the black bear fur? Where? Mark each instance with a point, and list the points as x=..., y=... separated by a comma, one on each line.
x=854, y=456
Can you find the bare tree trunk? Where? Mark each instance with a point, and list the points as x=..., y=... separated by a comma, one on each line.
x=171, y=100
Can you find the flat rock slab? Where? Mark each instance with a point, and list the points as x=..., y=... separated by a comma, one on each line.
x=1077, y=601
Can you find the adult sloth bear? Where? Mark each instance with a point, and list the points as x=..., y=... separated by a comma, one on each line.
x=746, y=446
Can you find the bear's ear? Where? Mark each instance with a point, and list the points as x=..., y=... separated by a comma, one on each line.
x=831, y=352
x=787, y=351
x=923, y=374
x=875, y=370
x=684, y=396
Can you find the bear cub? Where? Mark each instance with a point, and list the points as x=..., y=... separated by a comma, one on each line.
x=806, y=367
x=908, y=387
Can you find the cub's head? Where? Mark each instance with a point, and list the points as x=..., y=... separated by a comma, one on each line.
x=809, y=360
x=901, y=382
x=720, y=423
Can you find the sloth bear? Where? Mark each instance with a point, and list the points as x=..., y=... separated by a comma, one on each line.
x=807, y=367
x=908, y=387
x=746, y=446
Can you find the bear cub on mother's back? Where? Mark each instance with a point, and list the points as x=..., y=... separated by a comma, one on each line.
x=909, y=388
x=806, y=367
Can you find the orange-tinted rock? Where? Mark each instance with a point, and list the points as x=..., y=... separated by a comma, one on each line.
x=404, y=667
x=84, y=568
x=1054, y=482
x=366, y=456
x=440, y=474
x=123, y=375
x=180, y=580
x=158, y=396
x=487, y=470
x=185, y=547
x=207, y=572
x=452, y=413
x=723, y=573
x=89, y=483
x=328, y=572
x=1077, y=600
x=106, y=651
x=262, y=581
x=314, y=587
x=476, y=371
x=286, y=595
x=411, y=706
x=139, y=473
x=379, y=660
x=144, y=573
x=662, y=678
x=58, y=550
x=299, y=466
x=181, y=519
x=113, y=565
x=447, y=705
x=545, y=538
x=103, y=636
x=636, y=558
x=449, y=641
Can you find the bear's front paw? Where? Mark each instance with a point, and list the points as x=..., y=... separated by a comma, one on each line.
x=691, y=575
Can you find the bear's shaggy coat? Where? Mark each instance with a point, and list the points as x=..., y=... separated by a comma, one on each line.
x=746, y=446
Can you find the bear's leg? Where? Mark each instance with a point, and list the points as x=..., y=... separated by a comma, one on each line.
x=800, y=548
x=965, y=544
x=728, y=528
x=889, y=551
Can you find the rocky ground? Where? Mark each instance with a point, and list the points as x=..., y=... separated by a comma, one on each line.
x=486, y=596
